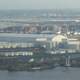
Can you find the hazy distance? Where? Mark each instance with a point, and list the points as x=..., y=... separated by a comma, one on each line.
x=39, y=4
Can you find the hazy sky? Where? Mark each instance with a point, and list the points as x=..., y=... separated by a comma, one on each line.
x=39, y=4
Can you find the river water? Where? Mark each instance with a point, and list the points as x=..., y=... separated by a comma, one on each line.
x=55, y=74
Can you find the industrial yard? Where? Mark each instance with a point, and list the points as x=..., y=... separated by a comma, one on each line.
x=39, y=41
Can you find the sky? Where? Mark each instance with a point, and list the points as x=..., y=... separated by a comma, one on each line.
x=39, y=4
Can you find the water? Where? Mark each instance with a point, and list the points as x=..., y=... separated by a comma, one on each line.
x=55, y=74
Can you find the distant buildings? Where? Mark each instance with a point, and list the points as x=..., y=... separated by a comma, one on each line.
x=40, y=25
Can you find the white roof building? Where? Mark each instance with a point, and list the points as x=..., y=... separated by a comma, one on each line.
x=59, y=38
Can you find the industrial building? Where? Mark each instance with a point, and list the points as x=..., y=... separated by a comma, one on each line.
x=25, y=44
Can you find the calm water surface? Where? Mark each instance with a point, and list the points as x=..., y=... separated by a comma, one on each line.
x=55, y=74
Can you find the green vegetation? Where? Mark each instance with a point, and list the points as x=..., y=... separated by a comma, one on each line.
x=39, y=61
